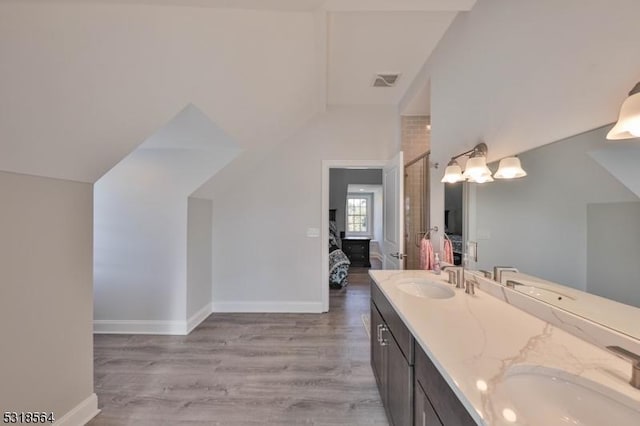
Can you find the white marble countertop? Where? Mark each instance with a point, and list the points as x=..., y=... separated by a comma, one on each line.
x=474, y=340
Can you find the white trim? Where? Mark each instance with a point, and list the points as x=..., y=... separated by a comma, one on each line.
x=197, y=318
x=81, y=414
x=172, y=328
x=270, y=307
x=175, y=328
x=327, y=165
x=376, y=255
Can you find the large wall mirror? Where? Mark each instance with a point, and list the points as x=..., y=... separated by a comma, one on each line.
x=571, y=227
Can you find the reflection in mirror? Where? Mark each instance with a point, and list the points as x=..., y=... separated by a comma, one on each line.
x=453, y=218
x=574, y=220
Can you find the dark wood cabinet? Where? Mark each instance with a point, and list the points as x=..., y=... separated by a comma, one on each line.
x=357, y=250
x=423, y=414
x=378, y=352
x=412, y=390
x=399, y=385
x=444, y=401
x=391, y=367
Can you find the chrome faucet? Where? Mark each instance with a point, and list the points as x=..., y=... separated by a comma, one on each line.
x=470, y=285
x=498, y=270
x=635, y=363
x=456, y=272
x=512, y=283
x=486, y=274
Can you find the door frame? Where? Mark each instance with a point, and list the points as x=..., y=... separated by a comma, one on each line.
x=327, y=165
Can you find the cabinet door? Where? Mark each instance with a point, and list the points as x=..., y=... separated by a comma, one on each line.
x=423, y=413
x=378, y=352
x=399, y=384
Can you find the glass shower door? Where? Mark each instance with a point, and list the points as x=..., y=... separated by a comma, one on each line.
x=416, y=220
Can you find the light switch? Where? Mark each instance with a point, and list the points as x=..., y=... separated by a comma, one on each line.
x=313, y=232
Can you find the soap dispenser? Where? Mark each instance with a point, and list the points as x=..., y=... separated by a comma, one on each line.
x=436, y=265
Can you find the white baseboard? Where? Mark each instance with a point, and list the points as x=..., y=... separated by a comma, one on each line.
x=377, y=256
x=81, y=413
x=178, y=328
x=182, y=328
x=174, y=328
x=198, y=317
x=268, y=307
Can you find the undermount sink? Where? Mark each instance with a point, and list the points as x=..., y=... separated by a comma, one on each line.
x=425, y=288
x=546, y=396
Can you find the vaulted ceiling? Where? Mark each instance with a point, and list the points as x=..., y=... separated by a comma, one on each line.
x=84, y=83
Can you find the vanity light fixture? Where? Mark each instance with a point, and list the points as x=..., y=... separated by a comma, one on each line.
x=476, y=169
x=628, y=125
x=453, y=172
x=510, y=168
x=481, y=179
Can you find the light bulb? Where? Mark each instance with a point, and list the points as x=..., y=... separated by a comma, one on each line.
x=634, y=127
x=452, y=174
x=510, y=168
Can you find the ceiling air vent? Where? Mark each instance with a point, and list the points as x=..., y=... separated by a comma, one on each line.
x=385, y=80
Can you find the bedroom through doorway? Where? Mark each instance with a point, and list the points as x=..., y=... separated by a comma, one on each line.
x=352, y=212
x=355, y=226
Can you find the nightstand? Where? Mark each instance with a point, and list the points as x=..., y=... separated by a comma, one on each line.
x=357, y=250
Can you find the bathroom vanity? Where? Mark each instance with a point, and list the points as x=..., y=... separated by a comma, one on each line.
x=444, y=357
x=409, y=384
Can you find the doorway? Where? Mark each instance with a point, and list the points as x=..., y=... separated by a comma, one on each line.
x=351, y=223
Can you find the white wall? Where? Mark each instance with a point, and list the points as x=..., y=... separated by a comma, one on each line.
x=520, y=74
x=199, y=254
x=141, y=215
x=46, y=357
x=539, y=223
x=262, y=259
x=339, y=180
x=613, y=244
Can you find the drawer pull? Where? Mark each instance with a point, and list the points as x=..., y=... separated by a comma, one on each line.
x=381, y=340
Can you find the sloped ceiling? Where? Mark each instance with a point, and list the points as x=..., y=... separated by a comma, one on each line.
x=621, y=161
x=363, y=44
x=85, y=82
x=83, y=85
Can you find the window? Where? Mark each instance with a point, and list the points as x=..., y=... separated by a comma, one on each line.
x=359, y=214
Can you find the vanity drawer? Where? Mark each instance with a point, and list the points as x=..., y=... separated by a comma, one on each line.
x=396, y=326
x=444, y=401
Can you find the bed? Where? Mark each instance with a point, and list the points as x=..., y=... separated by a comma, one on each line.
x=338, y=261
x=456, y=245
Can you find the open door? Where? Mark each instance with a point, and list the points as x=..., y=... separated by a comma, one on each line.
x=393, y=221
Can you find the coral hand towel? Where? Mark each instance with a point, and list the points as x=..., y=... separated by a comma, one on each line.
x=426, y=254
x=448, y=251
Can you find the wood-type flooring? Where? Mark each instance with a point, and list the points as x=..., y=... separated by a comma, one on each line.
x=246, y=369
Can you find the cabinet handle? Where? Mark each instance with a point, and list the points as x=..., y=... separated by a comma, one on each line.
x=382, y=328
